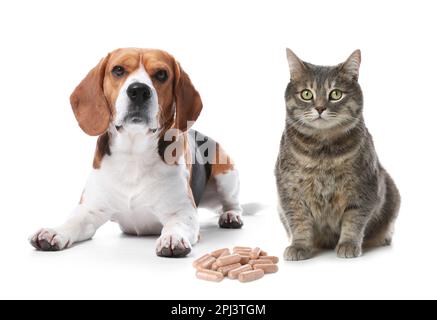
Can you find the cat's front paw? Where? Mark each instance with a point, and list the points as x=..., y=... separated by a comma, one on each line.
x=296, y=253
x=348, y=250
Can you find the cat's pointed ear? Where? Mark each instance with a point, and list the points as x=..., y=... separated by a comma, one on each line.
x=296, y=65
x=352, y=65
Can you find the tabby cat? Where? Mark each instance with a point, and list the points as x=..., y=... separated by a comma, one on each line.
x=333, y=192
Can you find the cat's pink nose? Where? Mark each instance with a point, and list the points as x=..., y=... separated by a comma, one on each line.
x=320, y=109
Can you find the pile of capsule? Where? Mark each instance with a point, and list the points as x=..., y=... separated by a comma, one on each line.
x=245, y=264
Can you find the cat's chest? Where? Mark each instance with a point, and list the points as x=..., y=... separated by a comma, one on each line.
x=324, y=193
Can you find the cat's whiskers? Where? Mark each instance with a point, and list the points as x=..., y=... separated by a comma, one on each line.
x=297, y=123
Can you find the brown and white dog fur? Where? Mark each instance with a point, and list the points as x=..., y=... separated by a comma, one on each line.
x=133, y=182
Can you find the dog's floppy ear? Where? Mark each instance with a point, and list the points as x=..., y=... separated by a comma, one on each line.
x=89, y=102
x=187, y=100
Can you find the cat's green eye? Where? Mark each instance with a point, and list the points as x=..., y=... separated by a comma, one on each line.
x=306, y=95
x=335, y=95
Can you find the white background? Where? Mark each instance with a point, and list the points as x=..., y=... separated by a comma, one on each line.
x=234, y=52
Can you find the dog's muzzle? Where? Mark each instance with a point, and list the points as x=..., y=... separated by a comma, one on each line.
x=139, y=95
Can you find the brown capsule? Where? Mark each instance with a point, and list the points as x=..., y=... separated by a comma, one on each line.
x=268, y=268
x=209, y=275
x=225, y=270
x=227, y=260
x=260, y=261
x=200, y=260
x=243, y=252
x=263, y=253
x=271, y=258
x=253, y=275
x=242, y=249
x=244, y=259
x=214, y=266
x=233, y=274
x=255, y=253
x=207, y=264
x=225, y=253
x=218, y=253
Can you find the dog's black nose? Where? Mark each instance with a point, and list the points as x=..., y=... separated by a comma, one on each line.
x=139, y=93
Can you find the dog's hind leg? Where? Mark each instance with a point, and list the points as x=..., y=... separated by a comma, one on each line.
x=227, y=182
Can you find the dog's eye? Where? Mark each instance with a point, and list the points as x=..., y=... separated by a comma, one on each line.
x=118, y=71
x=161, y=75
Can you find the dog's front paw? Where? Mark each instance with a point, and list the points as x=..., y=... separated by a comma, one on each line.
x=230, y=220
x=349, y=250
x=296, y=253
x=49, y=240
x=172, y=245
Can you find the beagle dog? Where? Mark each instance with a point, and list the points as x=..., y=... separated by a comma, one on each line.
x=150, y=170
